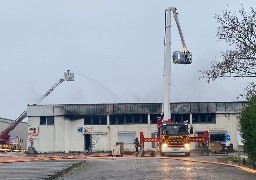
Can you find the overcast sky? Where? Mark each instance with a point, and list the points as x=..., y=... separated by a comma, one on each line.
x=115, y=48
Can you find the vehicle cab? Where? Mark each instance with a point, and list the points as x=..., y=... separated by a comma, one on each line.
x=175, y=139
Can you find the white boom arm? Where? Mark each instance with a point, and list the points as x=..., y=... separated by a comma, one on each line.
x=167, y=64
x=184, y=57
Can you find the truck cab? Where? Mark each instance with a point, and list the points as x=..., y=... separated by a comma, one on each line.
x=175, y=139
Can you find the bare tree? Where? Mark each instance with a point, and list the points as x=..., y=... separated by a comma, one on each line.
x=239, y=32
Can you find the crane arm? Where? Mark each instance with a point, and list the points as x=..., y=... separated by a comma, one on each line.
x=68, y=76
x=47, y=93
x=175, y=15
x=4, y=134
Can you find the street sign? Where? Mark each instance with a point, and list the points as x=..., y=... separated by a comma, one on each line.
x=227, y=137
x=227, y=143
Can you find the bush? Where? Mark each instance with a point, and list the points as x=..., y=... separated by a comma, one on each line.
x=248, y=130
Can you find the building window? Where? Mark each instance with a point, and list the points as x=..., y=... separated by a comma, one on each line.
x=42, y=120
x=103, y=120
x=153, y=118
x=177, y=118
x=195, y=118
x=211, y=118
x=180, y=118
x=46, y=120
x=95, y=120
x=129, y=119
x=112, y=119
x=144, y=118
x=204, y=118
x=137, y=119
x=140, y=118
x=117, y=119
x=120, y=119
x=87, y=120
x=217, y=137
x=50, y=120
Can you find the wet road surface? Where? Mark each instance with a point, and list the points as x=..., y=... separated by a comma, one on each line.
x=154, y=168
x=103, y=166
x=33, y=170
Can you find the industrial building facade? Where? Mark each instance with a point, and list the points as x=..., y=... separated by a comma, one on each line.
x=97, y=127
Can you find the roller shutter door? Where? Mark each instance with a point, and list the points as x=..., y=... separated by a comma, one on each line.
x=127, y=137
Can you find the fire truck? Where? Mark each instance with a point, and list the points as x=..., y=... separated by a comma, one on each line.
x=173, y=137
x=5, y=138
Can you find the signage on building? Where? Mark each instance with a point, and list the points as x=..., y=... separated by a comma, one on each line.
x=227, y=143
x=227, y=137
x=87, y=130
x=239, y=139
x=79, y=129
x=32, y=132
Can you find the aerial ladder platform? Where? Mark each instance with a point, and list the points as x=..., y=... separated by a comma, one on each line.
x=173, y=137
x=4, y=136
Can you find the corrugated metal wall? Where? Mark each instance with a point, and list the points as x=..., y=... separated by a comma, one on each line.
x=134, y=108
x=100, y=109
x=85, y=109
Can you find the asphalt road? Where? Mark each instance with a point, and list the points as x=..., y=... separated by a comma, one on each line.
x=103, y=166
x=154, y=168
x=33, y=170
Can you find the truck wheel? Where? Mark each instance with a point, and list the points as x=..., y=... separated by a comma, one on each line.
x=187, y=154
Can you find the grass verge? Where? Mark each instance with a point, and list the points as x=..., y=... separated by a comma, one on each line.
x=67, y=170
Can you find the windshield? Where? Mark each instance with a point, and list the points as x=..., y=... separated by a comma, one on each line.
x=175, y=130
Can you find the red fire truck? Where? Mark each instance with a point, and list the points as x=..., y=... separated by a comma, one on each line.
x=175, y=138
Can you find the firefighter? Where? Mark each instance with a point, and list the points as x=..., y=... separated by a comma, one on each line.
x=137, y=144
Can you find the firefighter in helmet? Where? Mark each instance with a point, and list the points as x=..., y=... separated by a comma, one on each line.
x=137, y=144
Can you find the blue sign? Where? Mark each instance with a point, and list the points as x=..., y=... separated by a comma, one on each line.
x=80, y=130
x=227, y=137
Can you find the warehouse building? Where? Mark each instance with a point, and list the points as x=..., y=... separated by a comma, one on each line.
x=20, y=131
x=97, y=127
